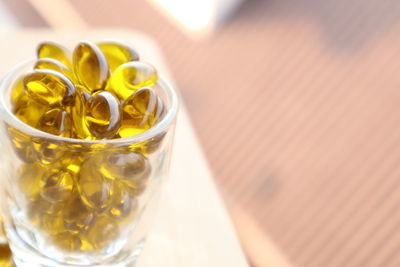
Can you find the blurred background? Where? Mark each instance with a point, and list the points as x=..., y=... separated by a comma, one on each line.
x=296, y=104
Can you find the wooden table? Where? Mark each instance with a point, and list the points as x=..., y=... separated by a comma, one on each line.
x=192, y=228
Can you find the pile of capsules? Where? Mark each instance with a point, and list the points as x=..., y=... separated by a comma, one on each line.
x=81, y=196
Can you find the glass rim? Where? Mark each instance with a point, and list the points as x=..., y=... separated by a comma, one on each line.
x=9, y=117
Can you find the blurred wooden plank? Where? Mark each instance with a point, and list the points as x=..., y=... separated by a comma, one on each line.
x=59, y=14
x=193, y=227
x=23, y=13
x=7, y=21
x=259, y=248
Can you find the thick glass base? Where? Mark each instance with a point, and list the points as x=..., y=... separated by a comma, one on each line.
x=26, y=256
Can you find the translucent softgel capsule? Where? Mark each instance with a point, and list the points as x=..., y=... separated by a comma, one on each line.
x=71, y=161
x=29, y=110
x=117, y=53
x=78, y=217
x=48, y=151
x=39, y=207
x=103, y=114
x=56, y=121
x=53, y=64
x=90, y=66
x=17, y=90
x=131, y=169
x=22, y=145
x=103, y=233
x=67, y=241
x=52, y=223
x=140, y=112
x=81, y=129
x=130, y=77
x=36, y=208
x=95, y=190
x=55, y=51
x=124, y=204
x=149, y=146
x=121, y=165
x=29, y=179
x=57, y=185
x=42, y=212
x=49, y=88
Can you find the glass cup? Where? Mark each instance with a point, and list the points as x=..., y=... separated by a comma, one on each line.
x=72, y=202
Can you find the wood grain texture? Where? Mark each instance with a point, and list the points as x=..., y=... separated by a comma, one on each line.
x=192, y=228
x=23, y=13
x=59, y=14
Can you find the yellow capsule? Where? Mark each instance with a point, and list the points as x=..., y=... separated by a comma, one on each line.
x=55, y=51
x=85, y=92
x=48, y=151
x=78, y=217
x=124, y=205
x=103, y=233
x=150, y=146
x=50, y=88
x=22, y=144
x=52, y=224
x=53, y=64
x=130, y=167
x=29, y=179
x=57, y=186
x=17, y=91
x=103, y=114
x=28, y=110
x=95, y=190
x=71, y=161
x=117, y=53
x=67, y=241
x=130, y=77
x=90, y=66
x=140, y=112
x=39, y=207
x=56, y=121
x=80, y=128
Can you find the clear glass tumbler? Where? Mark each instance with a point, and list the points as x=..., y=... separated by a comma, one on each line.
x=71, y=202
